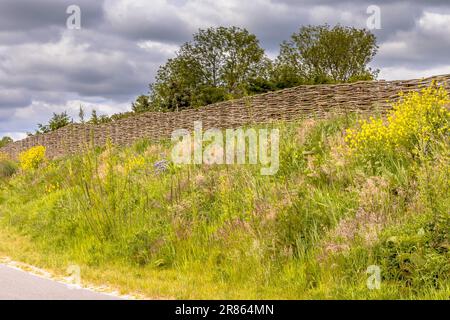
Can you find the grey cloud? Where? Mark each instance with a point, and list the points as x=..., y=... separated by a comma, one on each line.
x=24, y=15
x=151, y=22
x=355, y=2
x=42, y=35
x=161, y=28
x=75, y=66
x=10, y=99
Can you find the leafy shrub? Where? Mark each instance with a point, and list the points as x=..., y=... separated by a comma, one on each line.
x=417, y=254
x=5, y=141
x=32, y=158
x=414, y=121
x=150, y=246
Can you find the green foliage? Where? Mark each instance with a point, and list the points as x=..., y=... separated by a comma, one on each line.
x=81, y=114
x=142, y=104
x=96, y=119
x=225, y=63
x=58, y=120
x=321, y=54
x=418, y=252
x=410, y=128
x=217, y=65
x=7, y=168
x=5, y=141
x=311, y=231
x=102, y=119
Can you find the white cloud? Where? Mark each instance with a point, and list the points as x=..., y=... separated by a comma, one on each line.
x=26, y=119
x=435, y=23
x=424, y=46
x=404, y=73
x=395, y=49
x=152, y=46
x=14, y=135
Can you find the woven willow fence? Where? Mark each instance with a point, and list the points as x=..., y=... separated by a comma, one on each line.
x=288, y=104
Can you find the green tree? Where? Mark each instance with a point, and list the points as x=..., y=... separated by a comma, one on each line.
x=104, y=119
x=4, y=141
x=96, y=119
x=321, y=54
x=57, y=121
x=81, y=114
x=176, y=84
x=218, y=64
x=142, y=104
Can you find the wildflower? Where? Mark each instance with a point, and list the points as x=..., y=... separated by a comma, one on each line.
x=161, y=166
x=32, y=158
x=134, y=163
x=417, y=118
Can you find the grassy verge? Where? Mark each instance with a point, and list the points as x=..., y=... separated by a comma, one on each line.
x=135, y=222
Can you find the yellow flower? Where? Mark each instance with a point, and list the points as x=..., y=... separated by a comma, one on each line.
x=32, y=158
x=418, y=116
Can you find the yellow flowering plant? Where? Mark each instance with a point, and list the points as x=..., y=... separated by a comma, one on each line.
x=134, y=163
x=419, y=117
x=32, y=158
x=414, y=121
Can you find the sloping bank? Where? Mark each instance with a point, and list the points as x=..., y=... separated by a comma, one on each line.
x=359, y=213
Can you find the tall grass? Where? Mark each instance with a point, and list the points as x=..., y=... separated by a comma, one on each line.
x=7, y=168
x=310, y=231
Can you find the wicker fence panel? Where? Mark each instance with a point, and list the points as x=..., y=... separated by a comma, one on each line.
x=288, y=104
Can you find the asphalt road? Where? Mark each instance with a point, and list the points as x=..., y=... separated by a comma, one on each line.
x=19, y=285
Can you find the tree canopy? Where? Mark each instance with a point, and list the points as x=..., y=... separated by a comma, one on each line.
x=57, y=121
x=141, y=104
x=4, y=141
x=222, y=63
x=225, y=63
x=218, y=64
x=321, y=54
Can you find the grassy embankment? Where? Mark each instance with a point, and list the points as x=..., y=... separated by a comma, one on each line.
x=341, y=201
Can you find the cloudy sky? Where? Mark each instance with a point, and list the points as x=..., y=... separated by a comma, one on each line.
x=46, y=67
